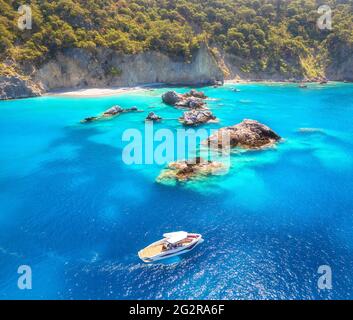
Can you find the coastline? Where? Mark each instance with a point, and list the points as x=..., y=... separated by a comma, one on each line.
x=245, y=81
x=99, y=92
x=112, y=91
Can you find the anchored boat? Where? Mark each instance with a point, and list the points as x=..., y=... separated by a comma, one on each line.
x=173, y=244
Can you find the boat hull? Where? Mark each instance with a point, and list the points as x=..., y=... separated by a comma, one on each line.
x=173, y=253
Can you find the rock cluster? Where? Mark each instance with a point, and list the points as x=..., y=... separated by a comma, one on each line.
x=196, y=94
x=171, y=97
x=184, y=170
x=191, y=103
x=197, y=117
x=248, y=134
x=191, y=100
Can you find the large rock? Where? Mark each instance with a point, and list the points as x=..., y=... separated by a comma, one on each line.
x=15, y=88
x=171, y=98
x=184, y=170
x=249, y=134
x=196, y=117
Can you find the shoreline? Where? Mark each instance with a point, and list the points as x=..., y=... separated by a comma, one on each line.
x=114, y=91
x=243, y=81
x=99, y=92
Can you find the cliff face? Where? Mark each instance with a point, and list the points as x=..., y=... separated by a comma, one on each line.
x=341, y=68
x=81, y=68
x=233, y=63
x=14, y=87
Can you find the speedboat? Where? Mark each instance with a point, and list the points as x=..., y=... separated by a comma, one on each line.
x=173, y=244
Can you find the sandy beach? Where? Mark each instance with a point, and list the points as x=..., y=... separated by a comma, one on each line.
x=100, y=92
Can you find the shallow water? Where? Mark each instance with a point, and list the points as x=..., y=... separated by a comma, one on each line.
x=73, y=211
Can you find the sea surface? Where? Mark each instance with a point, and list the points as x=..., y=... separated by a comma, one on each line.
x=77, y=214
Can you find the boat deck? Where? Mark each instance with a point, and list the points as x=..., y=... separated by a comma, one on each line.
x=151, y=251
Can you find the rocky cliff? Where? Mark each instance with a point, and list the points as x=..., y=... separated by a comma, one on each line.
x=80, y=68
x=342, y=67
x=14, y=87
x=77, y=68
x=308, y=68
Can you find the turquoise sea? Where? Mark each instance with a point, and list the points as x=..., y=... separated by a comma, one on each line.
x=74, y=212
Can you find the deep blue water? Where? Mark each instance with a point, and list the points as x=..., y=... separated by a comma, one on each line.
x=73, y=211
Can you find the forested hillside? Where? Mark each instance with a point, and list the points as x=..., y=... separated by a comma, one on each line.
x=267, y=35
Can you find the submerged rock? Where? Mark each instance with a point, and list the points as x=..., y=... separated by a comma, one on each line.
x=111, y=112
x=184, y=170
x=310, y=130
x=249, y=134
x=89, y=119
x=132, y=109
x=153, y=117
x=196, y=117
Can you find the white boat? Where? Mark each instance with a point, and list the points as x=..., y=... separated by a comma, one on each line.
x=173, y=244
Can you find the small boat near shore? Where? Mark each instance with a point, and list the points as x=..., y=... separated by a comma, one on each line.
x=173, y=244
